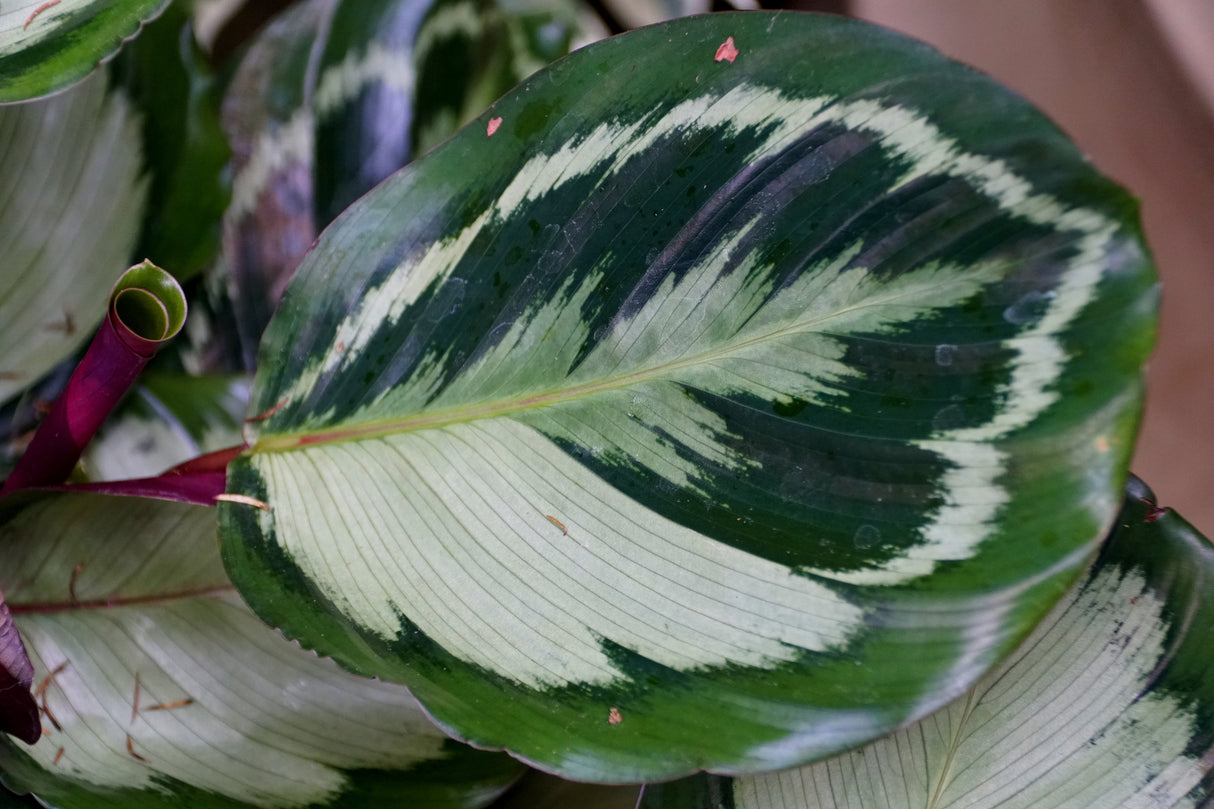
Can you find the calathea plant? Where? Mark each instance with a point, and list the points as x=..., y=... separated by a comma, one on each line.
x=749, y=394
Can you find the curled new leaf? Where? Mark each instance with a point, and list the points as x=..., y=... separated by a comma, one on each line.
x=146, y=308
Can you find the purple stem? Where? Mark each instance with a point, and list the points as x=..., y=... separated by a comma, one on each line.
x=107, y=371
x=200, y=480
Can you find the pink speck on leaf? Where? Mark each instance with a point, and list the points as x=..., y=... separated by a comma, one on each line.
x=494, y=123
x=727, y=51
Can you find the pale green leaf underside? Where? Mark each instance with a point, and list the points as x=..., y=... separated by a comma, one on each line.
x=72, y=198
x=673, y=368
x=1023, y=738
x=127, y=602
x=1105, y=706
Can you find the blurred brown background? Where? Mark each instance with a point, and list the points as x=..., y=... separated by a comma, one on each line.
x=1132, y=81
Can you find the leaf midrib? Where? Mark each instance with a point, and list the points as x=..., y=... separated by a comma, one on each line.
x=39, y=608
x=377, y=428
x=945, y=775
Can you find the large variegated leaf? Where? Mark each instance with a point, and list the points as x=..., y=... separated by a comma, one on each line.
x=731, y=392
x=1108, y=705
x=159, y=688
x=47, y=45
x=71, y=200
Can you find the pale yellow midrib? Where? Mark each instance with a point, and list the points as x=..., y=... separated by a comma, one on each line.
x=946, y=768
x=286, y=442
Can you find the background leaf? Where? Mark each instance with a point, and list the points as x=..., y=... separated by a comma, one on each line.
x=1107, y=705
x=167, y=420
x=469, y=52
x=697, y=409
x=47, y=45
x=70, y=183
x=184, y=147
x=124, y=606
x=636, y=13
x=333, y=97
x=537, y=790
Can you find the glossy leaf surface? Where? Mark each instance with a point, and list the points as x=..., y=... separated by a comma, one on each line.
x=159, y=688
x=703, y=404
x=72, y=197
x=1108, y=705
x=47, y=45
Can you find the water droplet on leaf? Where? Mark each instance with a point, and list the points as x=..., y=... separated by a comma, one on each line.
x=1029, y=308
x=866, y=536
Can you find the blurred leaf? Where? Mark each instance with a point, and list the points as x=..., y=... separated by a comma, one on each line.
x=363, y=99
x=210, y=17
x=637, y=13
x=185, y=149
x=161, y=689
x=73, y=199
x=538, y=790
x=335, y=96
x=702, y=405
x=470, y=52
x=47, y=45
x=1108, y=705
x=167, y=420
x=9, y=800
x=266, y=117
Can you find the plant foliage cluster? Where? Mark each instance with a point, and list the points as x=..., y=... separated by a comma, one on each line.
x=733, y=412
